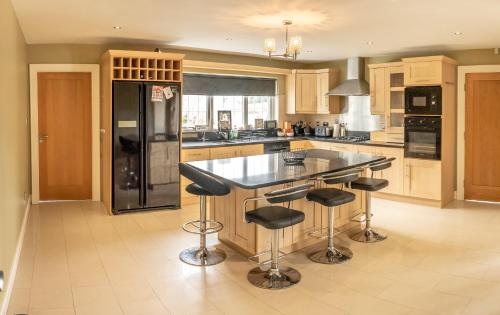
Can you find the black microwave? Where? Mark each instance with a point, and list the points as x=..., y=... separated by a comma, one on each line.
x=423, y=100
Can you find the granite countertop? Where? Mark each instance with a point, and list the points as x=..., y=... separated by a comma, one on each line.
x=224, y=143
x=265, y=170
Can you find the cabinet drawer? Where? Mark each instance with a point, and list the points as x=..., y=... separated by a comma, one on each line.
x=223, y=152
x=195, y=154
x=251, y=149
x=343, y=147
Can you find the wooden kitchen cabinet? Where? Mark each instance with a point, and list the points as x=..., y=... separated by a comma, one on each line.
x=395, y=173
x=387, y=94
x=377, y=91
x=307, y=89
x=250, y=149
x=300, y=145
x=321, y=145
x=422, y=178
x=224, y=152
x=432, y=70
x=306, y=98
x=186, y=156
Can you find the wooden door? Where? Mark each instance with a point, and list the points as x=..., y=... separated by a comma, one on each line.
x=64, y=128
x=377, y=91
x=482, y=127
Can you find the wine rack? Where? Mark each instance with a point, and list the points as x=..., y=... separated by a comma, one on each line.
x=132, y=68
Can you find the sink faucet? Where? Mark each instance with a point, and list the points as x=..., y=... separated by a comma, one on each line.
x=203, y=138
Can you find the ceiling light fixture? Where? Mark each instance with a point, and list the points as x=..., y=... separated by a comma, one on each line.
x=293, y=45
x=369, y=42
x=458, y=33
x=117, y=27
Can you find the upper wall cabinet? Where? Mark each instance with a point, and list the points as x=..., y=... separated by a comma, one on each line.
x=433, y=70
x=387, y=94
x=306, y=92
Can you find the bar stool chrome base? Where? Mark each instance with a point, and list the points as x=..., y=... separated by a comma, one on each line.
x=273, y=280
x=367, y=236
x=196, y=256
x=332, y=256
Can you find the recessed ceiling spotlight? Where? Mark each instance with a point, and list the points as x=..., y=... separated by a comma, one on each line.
x=369, y=42
x=117, y=27
x=458, y=33
x=309, y=51
x=229, y=39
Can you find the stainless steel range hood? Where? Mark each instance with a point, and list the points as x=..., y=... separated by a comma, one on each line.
x=355, y=85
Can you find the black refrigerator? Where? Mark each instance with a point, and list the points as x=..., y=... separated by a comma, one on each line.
x=146, y=145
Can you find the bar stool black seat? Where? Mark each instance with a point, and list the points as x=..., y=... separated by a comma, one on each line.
x=331, y=198
x=203, y=185
x=370, y=184
x=275, y=218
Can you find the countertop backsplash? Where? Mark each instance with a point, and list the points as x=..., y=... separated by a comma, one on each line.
x=356, y=114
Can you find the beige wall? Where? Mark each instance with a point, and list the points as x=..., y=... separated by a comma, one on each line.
x=76, y=53
x=60, y=53
x=14, y=154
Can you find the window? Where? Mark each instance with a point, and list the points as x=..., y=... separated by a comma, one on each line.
x=202, y=110
x=194, y=110
x=260, y=107
x=248, y=98
x=232, y=103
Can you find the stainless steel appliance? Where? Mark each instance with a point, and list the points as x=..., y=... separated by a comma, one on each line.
x=423, y=137
x=355, y=85
x=323, y=131
x=275, y=147
x=146, y=147
x=423, y=100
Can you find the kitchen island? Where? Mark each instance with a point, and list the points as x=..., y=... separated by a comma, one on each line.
x=254, y=175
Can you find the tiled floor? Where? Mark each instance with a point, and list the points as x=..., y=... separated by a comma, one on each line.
x=78, y=260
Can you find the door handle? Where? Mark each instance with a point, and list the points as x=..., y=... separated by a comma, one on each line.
x=1, y=280
x=42, y=138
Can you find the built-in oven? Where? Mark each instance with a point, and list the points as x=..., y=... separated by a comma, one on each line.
x=423, y=100
x=423, y=137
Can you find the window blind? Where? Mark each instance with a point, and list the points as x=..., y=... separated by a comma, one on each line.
x=202, y=84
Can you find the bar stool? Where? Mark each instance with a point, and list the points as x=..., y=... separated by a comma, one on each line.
x=203, y=185
x=369, y=184
x=331, y=198
x=275, y=217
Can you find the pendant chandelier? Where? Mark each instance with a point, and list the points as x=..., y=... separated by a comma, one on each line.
x=293, y=45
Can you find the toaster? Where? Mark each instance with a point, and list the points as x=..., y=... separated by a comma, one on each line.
x=323, y=131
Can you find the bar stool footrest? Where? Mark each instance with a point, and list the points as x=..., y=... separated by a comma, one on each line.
x=194, y=227
x=253, y=258
x=362, y=217
x=322, y=234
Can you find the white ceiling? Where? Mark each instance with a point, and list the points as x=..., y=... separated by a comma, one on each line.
x=331, y=29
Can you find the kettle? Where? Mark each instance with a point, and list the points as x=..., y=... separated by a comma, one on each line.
x=343, y=130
